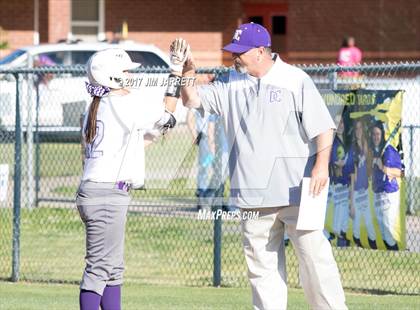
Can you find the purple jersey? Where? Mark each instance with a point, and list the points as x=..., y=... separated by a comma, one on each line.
x=380, y=182
x=341, y=176
x=361, y=181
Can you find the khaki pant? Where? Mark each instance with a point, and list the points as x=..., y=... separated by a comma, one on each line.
x=265, y=256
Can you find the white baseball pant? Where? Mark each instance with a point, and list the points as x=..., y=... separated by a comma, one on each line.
x=362, y=209
x=265, y=256
x=341, y=208
x=387, y=207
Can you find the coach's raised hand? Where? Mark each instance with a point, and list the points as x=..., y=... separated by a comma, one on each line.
x=178, y=53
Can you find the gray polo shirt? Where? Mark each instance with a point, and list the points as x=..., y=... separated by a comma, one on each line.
x=270, y=125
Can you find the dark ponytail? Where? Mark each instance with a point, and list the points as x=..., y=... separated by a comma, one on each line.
x=90, y=130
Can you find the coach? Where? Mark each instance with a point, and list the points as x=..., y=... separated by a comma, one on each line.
x=279, y=130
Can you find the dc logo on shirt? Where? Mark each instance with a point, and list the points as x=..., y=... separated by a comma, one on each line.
x=275, y=96
x=237, y=35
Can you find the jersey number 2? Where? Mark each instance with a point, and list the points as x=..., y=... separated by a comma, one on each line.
x=92, y=148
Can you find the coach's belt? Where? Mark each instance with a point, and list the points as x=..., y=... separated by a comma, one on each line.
x=122, y=185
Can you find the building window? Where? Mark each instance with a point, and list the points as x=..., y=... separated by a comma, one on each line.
x=279, y=24
x=87, y=19
x=272, y=16
x=256, y=19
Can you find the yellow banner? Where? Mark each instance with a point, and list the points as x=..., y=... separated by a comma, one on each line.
x=366, y=205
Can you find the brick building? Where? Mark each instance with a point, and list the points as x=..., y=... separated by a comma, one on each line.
x=304, y=31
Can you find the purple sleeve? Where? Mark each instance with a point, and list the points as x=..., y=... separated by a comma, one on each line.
x=391, y=158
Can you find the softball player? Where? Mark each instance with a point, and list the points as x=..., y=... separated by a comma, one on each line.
x=386, y=166
x=278, y=130
x=199, y=128
x=342, y=168
x=208, y=133
x=359, y=185
x=114, y=139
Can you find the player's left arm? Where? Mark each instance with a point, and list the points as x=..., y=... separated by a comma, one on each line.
x=168, y=120
x=178, y=54
x=148, y=139
x=391, y=164
x=319, y=176
x=392, y=172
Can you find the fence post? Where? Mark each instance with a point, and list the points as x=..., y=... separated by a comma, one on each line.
x=217, y=238
x=29, y=124
x=411, y=179
x=217, y=250
x=37, y=146
x=17, y=187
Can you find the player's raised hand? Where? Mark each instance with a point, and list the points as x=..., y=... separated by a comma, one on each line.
x=179, y=52
x=189, y=66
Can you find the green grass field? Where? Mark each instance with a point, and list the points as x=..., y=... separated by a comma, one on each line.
x=35, y=296
x=167, y=159
x=164, y=249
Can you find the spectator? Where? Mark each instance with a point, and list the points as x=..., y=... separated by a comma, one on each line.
x=212, y=153
x=349, y=55
x=43, y=60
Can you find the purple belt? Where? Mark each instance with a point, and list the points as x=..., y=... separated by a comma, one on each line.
x=122, y=185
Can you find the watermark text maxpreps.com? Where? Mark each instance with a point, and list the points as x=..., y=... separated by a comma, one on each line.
x=227, y=215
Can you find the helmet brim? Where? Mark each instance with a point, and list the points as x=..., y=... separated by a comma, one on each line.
x=133, y=65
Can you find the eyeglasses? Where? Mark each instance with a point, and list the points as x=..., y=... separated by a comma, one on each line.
x=235, y=55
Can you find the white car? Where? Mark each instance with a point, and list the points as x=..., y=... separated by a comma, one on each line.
x=54, y=102
x=79, y=53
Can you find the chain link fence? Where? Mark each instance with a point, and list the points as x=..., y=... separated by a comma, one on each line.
x=42, y=237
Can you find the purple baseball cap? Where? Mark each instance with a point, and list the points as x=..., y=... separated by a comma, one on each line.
x=248, y=36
